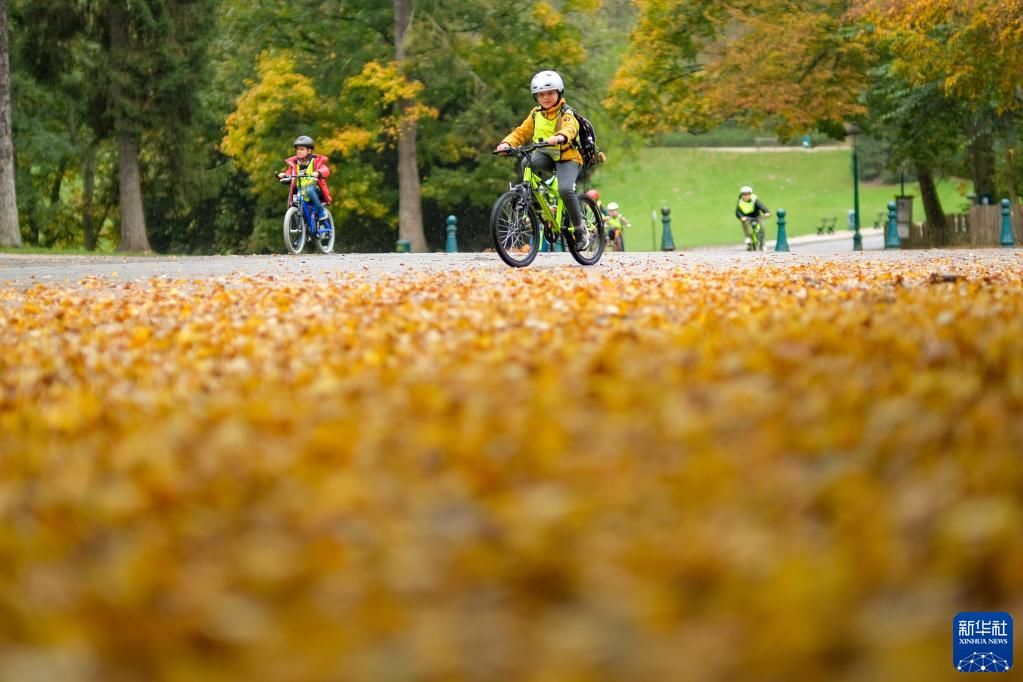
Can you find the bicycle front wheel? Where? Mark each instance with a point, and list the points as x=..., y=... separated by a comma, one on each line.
x=515, y=229
x=325, y=243
x=593, y=224
x=294, y=230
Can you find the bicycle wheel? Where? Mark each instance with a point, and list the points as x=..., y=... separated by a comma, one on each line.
x=760, y=238
x=593, y=223
x=294, y=230
x=326, y=243
x=515, y=229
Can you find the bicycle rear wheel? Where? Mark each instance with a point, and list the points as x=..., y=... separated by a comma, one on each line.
x=515, y=229
x=593, y=223
x=294, y=230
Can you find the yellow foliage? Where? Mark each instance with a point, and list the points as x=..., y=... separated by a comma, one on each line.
x=380, y=100
x=269, y=109
x=974, y=48
x=754, y=470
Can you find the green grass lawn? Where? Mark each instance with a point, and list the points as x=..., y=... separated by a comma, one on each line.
x=701, y=187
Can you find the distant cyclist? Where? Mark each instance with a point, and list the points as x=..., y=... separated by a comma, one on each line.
x=749, y=210
x=616, y=222
x=308, y=172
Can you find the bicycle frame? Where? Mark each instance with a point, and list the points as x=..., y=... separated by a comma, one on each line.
x=755, y=229
x=550, y=214
x=552, y=211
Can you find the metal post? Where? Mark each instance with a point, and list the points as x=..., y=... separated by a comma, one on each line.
x=782, y=242
x=667, y=243
x=1008, y=238
x=451, y=245
x=857, y=237
x=653, y=229
x=853, y=130
x=891, y=237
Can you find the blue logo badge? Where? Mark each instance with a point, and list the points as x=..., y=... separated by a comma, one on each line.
x=982, y=642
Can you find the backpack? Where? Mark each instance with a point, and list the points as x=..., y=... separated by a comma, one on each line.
x=586, y=141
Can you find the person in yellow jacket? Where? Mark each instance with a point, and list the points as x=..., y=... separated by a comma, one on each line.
x=554, y=123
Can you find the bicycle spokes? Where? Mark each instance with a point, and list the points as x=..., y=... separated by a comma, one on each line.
x=514, y=228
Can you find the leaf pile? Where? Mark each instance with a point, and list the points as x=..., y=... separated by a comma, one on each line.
x=772, y=473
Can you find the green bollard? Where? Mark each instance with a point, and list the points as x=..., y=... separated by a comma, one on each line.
x=667, y=243
x=451, y=245
x=1008, y=239
x=782, y=242
x=403, y=246
x=891, y=237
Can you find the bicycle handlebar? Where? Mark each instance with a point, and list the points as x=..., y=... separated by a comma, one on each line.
x=523, y=150
x=289, y=178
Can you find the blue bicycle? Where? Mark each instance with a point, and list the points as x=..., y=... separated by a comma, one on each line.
x=300, y=223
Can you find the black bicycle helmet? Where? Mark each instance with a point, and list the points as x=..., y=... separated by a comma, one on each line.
x=304, y=141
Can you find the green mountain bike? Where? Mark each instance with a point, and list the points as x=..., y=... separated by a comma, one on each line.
x=532, y=210
x=757, y=235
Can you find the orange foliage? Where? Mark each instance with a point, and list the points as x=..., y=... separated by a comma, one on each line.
x=781, y=470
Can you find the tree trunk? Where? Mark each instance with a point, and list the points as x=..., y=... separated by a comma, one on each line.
x=133, y=219
x=933, y=211
x=10, y=232
x=982, y=161
x=88, y=190
x=410, y=205
x=1010, y=175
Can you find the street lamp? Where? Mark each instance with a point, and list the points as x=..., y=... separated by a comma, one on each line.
x=852, y=130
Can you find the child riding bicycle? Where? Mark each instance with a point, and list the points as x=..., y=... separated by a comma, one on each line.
x=554, y=123
x=749, y=209
x=308, y=172
x=616, y=223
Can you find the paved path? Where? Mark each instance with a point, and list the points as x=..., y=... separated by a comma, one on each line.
x=26, y=270
x=838, y=242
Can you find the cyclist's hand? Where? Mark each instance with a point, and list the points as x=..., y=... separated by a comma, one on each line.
x=316, y=174
x=503, y=147
x=280, y=176
x=555, y=139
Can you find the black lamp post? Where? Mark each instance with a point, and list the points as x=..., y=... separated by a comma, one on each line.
x=852, y=130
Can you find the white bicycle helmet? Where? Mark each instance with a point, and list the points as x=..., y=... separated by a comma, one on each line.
x=546, y=80
x=613, y=206
x=304, y=141
x=745, y=189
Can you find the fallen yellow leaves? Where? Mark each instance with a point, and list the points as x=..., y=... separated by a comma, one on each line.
x=797, y=472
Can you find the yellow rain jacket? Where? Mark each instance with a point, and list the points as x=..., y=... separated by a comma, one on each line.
x=553, y=122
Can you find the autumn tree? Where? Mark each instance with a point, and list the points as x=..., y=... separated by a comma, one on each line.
x=972, y=51
x=928, y=75
x=10, y=234
x=694, y=63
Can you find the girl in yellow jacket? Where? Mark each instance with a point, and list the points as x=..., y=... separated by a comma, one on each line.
x=554, y=123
